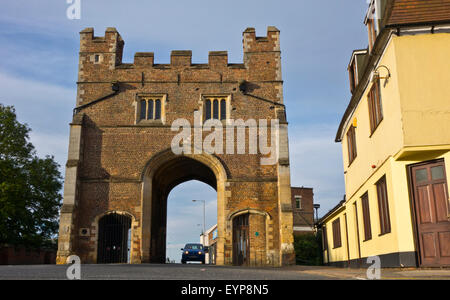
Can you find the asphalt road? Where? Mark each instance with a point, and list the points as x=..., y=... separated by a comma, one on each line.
x=156, y=271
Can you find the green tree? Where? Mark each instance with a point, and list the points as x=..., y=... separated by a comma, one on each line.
x=308, y=249
x=29, y=187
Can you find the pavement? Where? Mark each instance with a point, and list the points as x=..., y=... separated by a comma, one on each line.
x=210, y=272
x=385, y=274
x=154, y=271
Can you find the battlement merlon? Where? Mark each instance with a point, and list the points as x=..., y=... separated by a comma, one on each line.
x=269, y=43
x=110, y=45
x=181, y=58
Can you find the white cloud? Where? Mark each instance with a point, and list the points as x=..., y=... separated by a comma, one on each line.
x=49, y=144
x=46, y=108
x=37, y=102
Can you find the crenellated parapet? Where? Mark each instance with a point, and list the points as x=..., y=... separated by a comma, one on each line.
x=101, y=62
x=109, y=50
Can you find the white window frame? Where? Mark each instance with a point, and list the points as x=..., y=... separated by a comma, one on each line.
x=299, y=199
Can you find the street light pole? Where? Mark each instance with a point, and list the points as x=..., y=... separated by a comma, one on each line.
x=204, y=218
x=316, y=207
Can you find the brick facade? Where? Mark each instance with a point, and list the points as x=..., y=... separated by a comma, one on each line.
x=21, y=255
x=118, y=164
x=303, y=215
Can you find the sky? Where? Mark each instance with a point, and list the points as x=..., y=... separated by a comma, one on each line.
x=38, y=73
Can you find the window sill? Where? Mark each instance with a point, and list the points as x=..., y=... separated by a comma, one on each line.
x=381, y=234
x=150, y=123
x=352, y=162
x=224, y=121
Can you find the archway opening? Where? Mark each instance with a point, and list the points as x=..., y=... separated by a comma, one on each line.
x=252, y=238
x=164, y=179
x=185, y=218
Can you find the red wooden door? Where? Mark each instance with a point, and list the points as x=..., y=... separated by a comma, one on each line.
x=432, y=213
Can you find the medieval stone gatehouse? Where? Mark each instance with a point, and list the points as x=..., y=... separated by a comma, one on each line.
x=121, y=166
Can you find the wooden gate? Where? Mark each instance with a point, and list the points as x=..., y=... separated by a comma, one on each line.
x=432, y=213
x=113, y=239
x=241, y=241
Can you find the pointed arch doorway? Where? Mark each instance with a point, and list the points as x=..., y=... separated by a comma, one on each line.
x=164, y=172
x=113, y=239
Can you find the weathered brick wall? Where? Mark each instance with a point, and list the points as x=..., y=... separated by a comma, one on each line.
x=258, y=236
x=20, y=255
x=116, y=148
x=304, y=216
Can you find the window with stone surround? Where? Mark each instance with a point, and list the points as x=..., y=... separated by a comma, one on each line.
x=216, y=107
x=150, y=108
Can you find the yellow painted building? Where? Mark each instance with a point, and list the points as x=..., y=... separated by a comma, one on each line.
x=395, y=137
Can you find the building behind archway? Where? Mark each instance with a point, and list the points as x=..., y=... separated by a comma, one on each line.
x=120, y=159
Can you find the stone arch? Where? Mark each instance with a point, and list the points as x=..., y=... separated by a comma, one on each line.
x=134, y=256
x=161, y=174
x=216, y=164
x=268, y=257
x=248, y=211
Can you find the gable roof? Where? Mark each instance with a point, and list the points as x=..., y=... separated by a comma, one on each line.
x=419, y=11
x=397, y=13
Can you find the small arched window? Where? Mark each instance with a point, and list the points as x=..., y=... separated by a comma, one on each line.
x=216, y=109
x=143, y=109
x=150, y=109
x=157, y=109
x=223, y=109
x=207, y=109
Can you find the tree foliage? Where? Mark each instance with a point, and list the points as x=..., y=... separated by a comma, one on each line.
x=308, y=249
x=29, y=187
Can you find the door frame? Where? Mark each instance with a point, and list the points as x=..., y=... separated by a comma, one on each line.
x=355, y=206
x=414, y=217
x=235, y=258
x=129, y=234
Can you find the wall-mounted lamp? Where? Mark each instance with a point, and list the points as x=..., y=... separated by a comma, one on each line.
x=376, y=75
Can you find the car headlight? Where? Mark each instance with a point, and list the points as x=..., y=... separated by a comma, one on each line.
x=186, y=252
x=200, y=252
